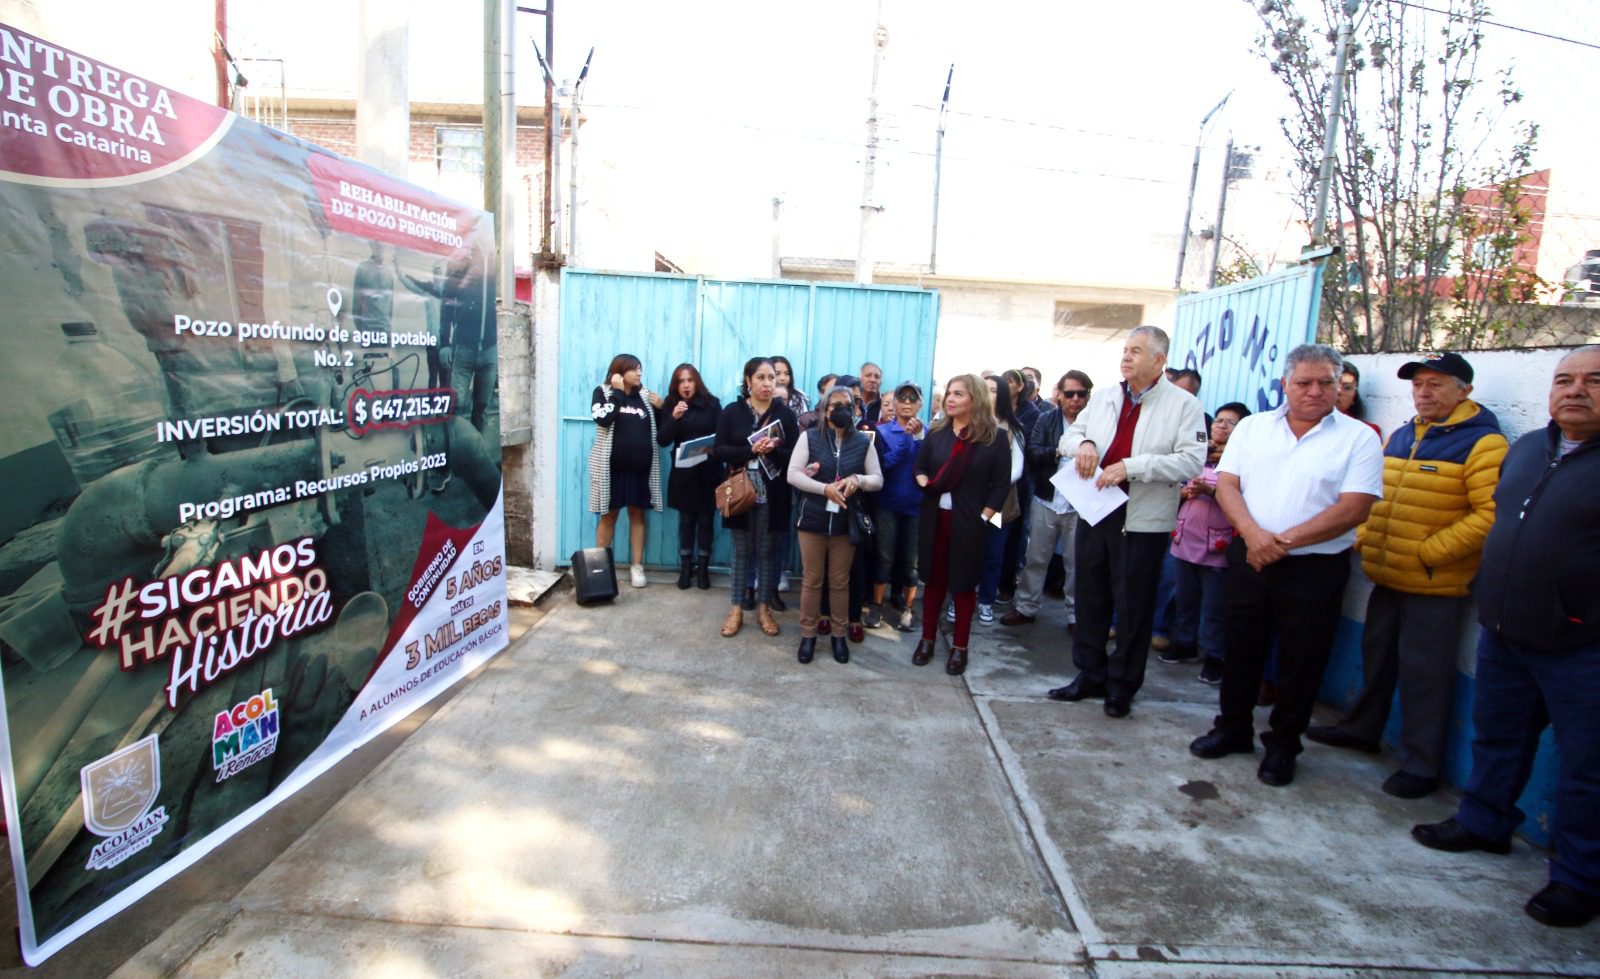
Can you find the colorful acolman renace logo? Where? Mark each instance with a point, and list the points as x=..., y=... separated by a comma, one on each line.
x=244, y=735
x=118, y=791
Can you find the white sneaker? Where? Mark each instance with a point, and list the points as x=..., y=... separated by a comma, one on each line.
x=950, y=612
x=986, y=614
x=636, y=572
x=783, y=583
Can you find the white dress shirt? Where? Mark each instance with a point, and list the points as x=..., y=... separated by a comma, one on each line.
x=1286, y=481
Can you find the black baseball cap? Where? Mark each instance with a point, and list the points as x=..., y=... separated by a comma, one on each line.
x=1446, y=363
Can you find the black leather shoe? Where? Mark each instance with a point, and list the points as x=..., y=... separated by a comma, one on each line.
x=1078, y=689
x=1215, y=745
x=1118, y=706
x=1561, y=906
x=1335, y=737
x=778, y=604
x=957, y=663
x=924, y=653
x=702, y=574
x=749, y=603
x=841, y=649
x=808, y=649
x=1452, y=837
x=1277, y=768
x=1405, y=785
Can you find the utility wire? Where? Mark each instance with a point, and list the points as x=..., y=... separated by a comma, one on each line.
x=1495, y=23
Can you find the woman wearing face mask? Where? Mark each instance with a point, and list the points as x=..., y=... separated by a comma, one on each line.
x=691, y=412
x=624, y=465
x=765, y=459
x=964, y=469
x=830, y=467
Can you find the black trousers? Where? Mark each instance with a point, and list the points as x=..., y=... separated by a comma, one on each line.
x=695, y=527
x=1116, y=572
x=1295, y=603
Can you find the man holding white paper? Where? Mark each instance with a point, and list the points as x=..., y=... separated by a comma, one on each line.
x=1147, y=437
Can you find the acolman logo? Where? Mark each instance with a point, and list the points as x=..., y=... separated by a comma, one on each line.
x=244, y=735
x=118, y=791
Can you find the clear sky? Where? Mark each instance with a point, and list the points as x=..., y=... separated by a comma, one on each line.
x=1067, y=151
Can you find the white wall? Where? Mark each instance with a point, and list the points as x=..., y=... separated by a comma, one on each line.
x=1006, y=326
x=172, y=48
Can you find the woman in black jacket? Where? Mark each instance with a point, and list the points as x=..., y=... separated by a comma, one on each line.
x=755, y=532
x=964, y=469
x=691, y=412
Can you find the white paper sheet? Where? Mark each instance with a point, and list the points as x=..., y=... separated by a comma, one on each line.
x=1093, y=505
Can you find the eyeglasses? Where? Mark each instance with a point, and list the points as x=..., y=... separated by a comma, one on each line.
x=1074, y=394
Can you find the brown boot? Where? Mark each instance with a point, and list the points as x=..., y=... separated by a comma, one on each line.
x=957, y=663
x=730, y=625
x=764, y=619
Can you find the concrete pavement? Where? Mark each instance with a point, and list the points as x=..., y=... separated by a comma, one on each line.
x=624, y=792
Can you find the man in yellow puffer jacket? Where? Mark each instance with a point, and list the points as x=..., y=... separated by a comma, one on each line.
x=1421, y=546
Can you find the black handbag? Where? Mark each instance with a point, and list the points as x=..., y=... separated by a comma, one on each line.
x=861, y=528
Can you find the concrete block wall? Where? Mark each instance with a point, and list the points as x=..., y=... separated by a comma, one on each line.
x=1514, y=384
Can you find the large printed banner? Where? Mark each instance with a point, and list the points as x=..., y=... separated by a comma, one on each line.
x=250, y=444
x=1238, y=337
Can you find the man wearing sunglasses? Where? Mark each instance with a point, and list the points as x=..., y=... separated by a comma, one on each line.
x=1052, y=519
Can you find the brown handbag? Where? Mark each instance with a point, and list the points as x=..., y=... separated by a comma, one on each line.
x=736, y=494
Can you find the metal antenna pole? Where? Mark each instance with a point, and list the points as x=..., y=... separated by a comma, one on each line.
x=1194, y=176
x=572, y=162
x=869, y=208
x=938, y=166
x=1331, y=124
x=1222, y=208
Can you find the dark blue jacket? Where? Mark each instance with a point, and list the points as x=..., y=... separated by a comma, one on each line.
x=1538, y=585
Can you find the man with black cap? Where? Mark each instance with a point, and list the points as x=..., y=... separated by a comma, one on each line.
x=1421, y=547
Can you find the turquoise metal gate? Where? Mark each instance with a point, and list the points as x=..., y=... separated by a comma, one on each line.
x=717, y=324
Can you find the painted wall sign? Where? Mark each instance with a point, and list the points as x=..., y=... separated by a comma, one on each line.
x=1238, y=336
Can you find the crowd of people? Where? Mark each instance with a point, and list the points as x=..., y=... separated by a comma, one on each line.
x=1228, y=543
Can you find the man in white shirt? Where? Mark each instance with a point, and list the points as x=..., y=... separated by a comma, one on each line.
x=1295, y=482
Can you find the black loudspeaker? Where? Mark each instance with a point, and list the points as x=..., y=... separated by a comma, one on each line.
x=594, y=577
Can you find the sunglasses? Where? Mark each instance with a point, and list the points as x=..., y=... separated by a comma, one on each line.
x=1074, y=394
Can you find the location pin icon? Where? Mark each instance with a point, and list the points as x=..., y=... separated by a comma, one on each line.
x=335, y=300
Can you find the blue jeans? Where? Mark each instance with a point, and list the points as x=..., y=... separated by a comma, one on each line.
x=1166, y=597
x=993, y=557
x=1197, y=607
x=1519, y=692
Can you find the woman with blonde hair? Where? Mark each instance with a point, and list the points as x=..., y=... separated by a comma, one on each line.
x=964, y=469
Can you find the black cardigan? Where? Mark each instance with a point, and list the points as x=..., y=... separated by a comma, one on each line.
x=692, y=488
x=732, y=449
x=985, y=486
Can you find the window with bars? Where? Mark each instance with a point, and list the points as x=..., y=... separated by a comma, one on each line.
x=459, y=149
